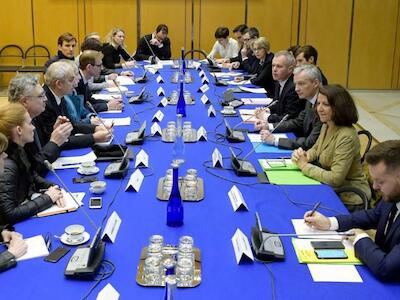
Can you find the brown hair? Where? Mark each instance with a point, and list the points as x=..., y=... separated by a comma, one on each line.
x=88, y=57
x=67, y=37
x=221, y=32
x=11, y=115
x=388, y=152
x=344, y=111
x=307, y=51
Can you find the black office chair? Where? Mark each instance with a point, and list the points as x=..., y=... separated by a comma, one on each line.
x=8, y=55
x=369, y=142
x=34, y=59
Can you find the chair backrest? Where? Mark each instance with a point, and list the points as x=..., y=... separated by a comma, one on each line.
x=11, y=55
x=36, y=55
x=367, y=144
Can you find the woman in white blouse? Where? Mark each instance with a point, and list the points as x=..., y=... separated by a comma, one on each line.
x=225, y=47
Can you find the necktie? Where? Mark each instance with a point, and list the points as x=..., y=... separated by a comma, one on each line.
x=392, y=216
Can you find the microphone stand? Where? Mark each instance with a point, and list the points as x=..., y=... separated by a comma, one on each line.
x=241, y=122
x=153, y=60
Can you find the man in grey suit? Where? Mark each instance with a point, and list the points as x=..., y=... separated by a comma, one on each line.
x=307, y=125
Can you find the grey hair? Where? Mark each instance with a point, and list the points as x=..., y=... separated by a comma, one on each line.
x=58, y=70
x=290, y=60
x=310, y=71
x=21, y=85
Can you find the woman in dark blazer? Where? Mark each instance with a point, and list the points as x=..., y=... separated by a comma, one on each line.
x=20, y=185
x=114, y=49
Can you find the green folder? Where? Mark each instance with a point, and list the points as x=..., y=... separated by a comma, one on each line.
x=284, y=171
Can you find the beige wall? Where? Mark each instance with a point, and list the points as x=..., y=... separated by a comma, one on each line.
x=358, y=40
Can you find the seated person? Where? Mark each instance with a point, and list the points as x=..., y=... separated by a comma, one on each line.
x=307, y=54
x=293, y=49
x=154, y=46
x=335, y=157
x=262, y=65
x=225, y=47
x=26, y=90
x=21, y=187
x=66, y=47
x=15, y=244
x=246, y=56
x=60, y=82
x=307, y=125
x=381, y=254
x=114, y=49
x=286, y=100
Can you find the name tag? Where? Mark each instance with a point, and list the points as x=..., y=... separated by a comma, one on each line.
x=241, y=246
x=237, y=199
x=108, y=293
x=112, y=227
x=202, y=74
x=160, y=91
x=205, y=80
x=158, y=116
x=217, y=159
x=135, y=181
x=142, y=159
x=160, y=79
x=205, y=99
x=163, y=102
x=211, y=111
x=155, y=129
x=201, y=134
x=204, y=88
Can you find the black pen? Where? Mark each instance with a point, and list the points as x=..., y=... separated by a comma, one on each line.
x=315, y=208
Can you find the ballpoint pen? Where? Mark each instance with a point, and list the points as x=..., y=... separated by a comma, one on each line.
x=315, y=208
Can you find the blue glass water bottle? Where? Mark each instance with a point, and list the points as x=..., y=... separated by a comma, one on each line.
x=181, y=106
x=174, y=206
x=170, y=279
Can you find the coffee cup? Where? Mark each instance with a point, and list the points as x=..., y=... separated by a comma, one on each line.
x=88, y=166
x=229, y=109
x=98, y=187
x=75, y=233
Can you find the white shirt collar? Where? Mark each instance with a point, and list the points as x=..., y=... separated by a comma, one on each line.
x=58, y=99
x=83, y=76
x=313, y=99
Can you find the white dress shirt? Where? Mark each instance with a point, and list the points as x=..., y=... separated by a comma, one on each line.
x=230, y=51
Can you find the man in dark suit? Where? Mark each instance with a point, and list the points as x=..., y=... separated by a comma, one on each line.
x=159, y=43
x=60, y=82
x=381, y=256
x=307, y=54
x=246, y=57
x=285, y=101
x=307, y=125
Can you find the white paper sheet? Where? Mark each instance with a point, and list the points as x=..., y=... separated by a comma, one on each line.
x=253, y=90
x=256, y=101
x=116, y=90
x=106, y=97
x=36, y=248
x=125, y=80
x=111, y=112
x=302, y=228
x=73, y=161
x=334, y=273
x=256, y=138
x=69, y=204
x=118, y=121
x=232, y=82
x=225, y=74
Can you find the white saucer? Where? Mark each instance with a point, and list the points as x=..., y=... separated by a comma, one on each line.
x=86, y=237
x=228, y=112
x=93, y=171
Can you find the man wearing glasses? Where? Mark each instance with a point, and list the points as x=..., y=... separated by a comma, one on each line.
x=246, y=57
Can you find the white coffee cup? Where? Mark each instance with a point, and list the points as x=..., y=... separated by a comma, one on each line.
x=98, y=187
x=88, y=166
x=75, y=233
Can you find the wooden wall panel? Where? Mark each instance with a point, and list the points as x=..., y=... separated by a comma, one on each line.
x=213, y=14
x=373, y=44
x=103, y=15
x=329, y=33
x=175, y=14
x=273, y=18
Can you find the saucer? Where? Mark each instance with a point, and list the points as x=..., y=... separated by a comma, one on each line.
x=63, y=239
x=228, y=112
x=92, y=171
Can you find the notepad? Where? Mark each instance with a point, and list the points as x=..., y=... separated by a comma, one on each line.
x=117, y=121
x=73, y=161
x=70, y=205
x=334, y=273
x=255, y=139
x=256, y=101
x=36, y=248
x=287, y=173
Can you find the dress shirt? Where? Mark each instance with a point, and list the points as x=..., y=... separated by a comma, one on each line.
x=230, y=51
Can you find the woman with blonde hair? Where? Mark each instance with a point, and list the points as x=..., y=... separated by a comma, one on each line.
x=114, y=49
x=20, y=184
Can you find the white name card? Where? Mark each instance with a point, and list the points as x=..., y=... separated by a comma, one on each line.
x=196, y=65
x=217, y=159
x=241, y=246
x=237, y=199
x=142, y=159
x=163, y=102
x=158, y=116
x=159, y=79
x=204, y=88
x=152, y=70
x=160, y=91
x=201, y=134
x=205, y=80
x=211, y=111
x=202, y=74
x=205, y=99
x=155, y=129
x=112, y=227
x=135, y=181
x=108, y=293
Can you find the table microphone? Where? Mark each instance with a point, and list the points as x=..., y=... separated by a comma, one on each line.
x=122, y=97
x=50, y=167
x=153, y=59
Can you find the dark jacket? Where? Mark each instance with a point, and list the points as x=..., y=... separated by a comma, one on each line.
x=112, y=56
x=45, y=121
x=18, y=183
x=55, y=58
x=143, y=51
x=381, y=256
x=7, y=260
x=323, y=78
x=288, y=102
x=83, y=89
x=306, y=126
x=263, y=74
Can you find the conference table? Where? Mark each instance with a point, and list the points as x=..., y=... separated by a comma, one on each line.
x=211, y=222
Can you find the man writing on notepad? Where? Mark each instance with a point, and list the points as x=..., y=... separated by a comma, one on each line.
x=382, y=255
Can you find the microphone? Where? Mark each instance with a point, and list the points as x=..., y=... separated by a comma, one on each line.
x=154, y=58
x=219, y=82
x=50, y=168
x=245, y=120
x=118, y=87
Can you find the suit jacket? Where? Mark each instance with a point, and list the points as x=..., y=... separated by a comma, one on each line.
x=323, y=78
x=46, y=120
x=382, y=256
x=247, y=63
x=337, y=159
x=306, y=126
x=143, y=51
x=55, y=58
x=288, y=102
x=83, y=89
x=263, y=74
x=112, y=56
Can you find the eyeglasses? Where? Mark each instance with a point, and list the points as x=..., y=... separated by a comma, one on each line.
x=257, y=49
x=99, y=65
x=41, y=96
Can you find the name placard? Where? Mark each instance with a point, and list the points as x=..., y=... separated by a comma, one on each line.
x=211, y=112
x=159, y=79
x=217, y=159
x=196, y=65
x=241, y=246
x=205, y=99
x=163, y=102
x=201, y=134
x=202, y=74
x=155, y=129
x=112, y=227
x=142, y=159
x=237, y=199
x=204, y=88
x=160, y=91
x=205, y=80
x=135, y=181
x=158, y=116
x=108, y=293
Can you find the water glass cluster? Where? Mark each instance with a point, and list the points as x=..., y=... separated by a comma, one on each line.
x=188, y=184
x=173, y=98
x=161, y=258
